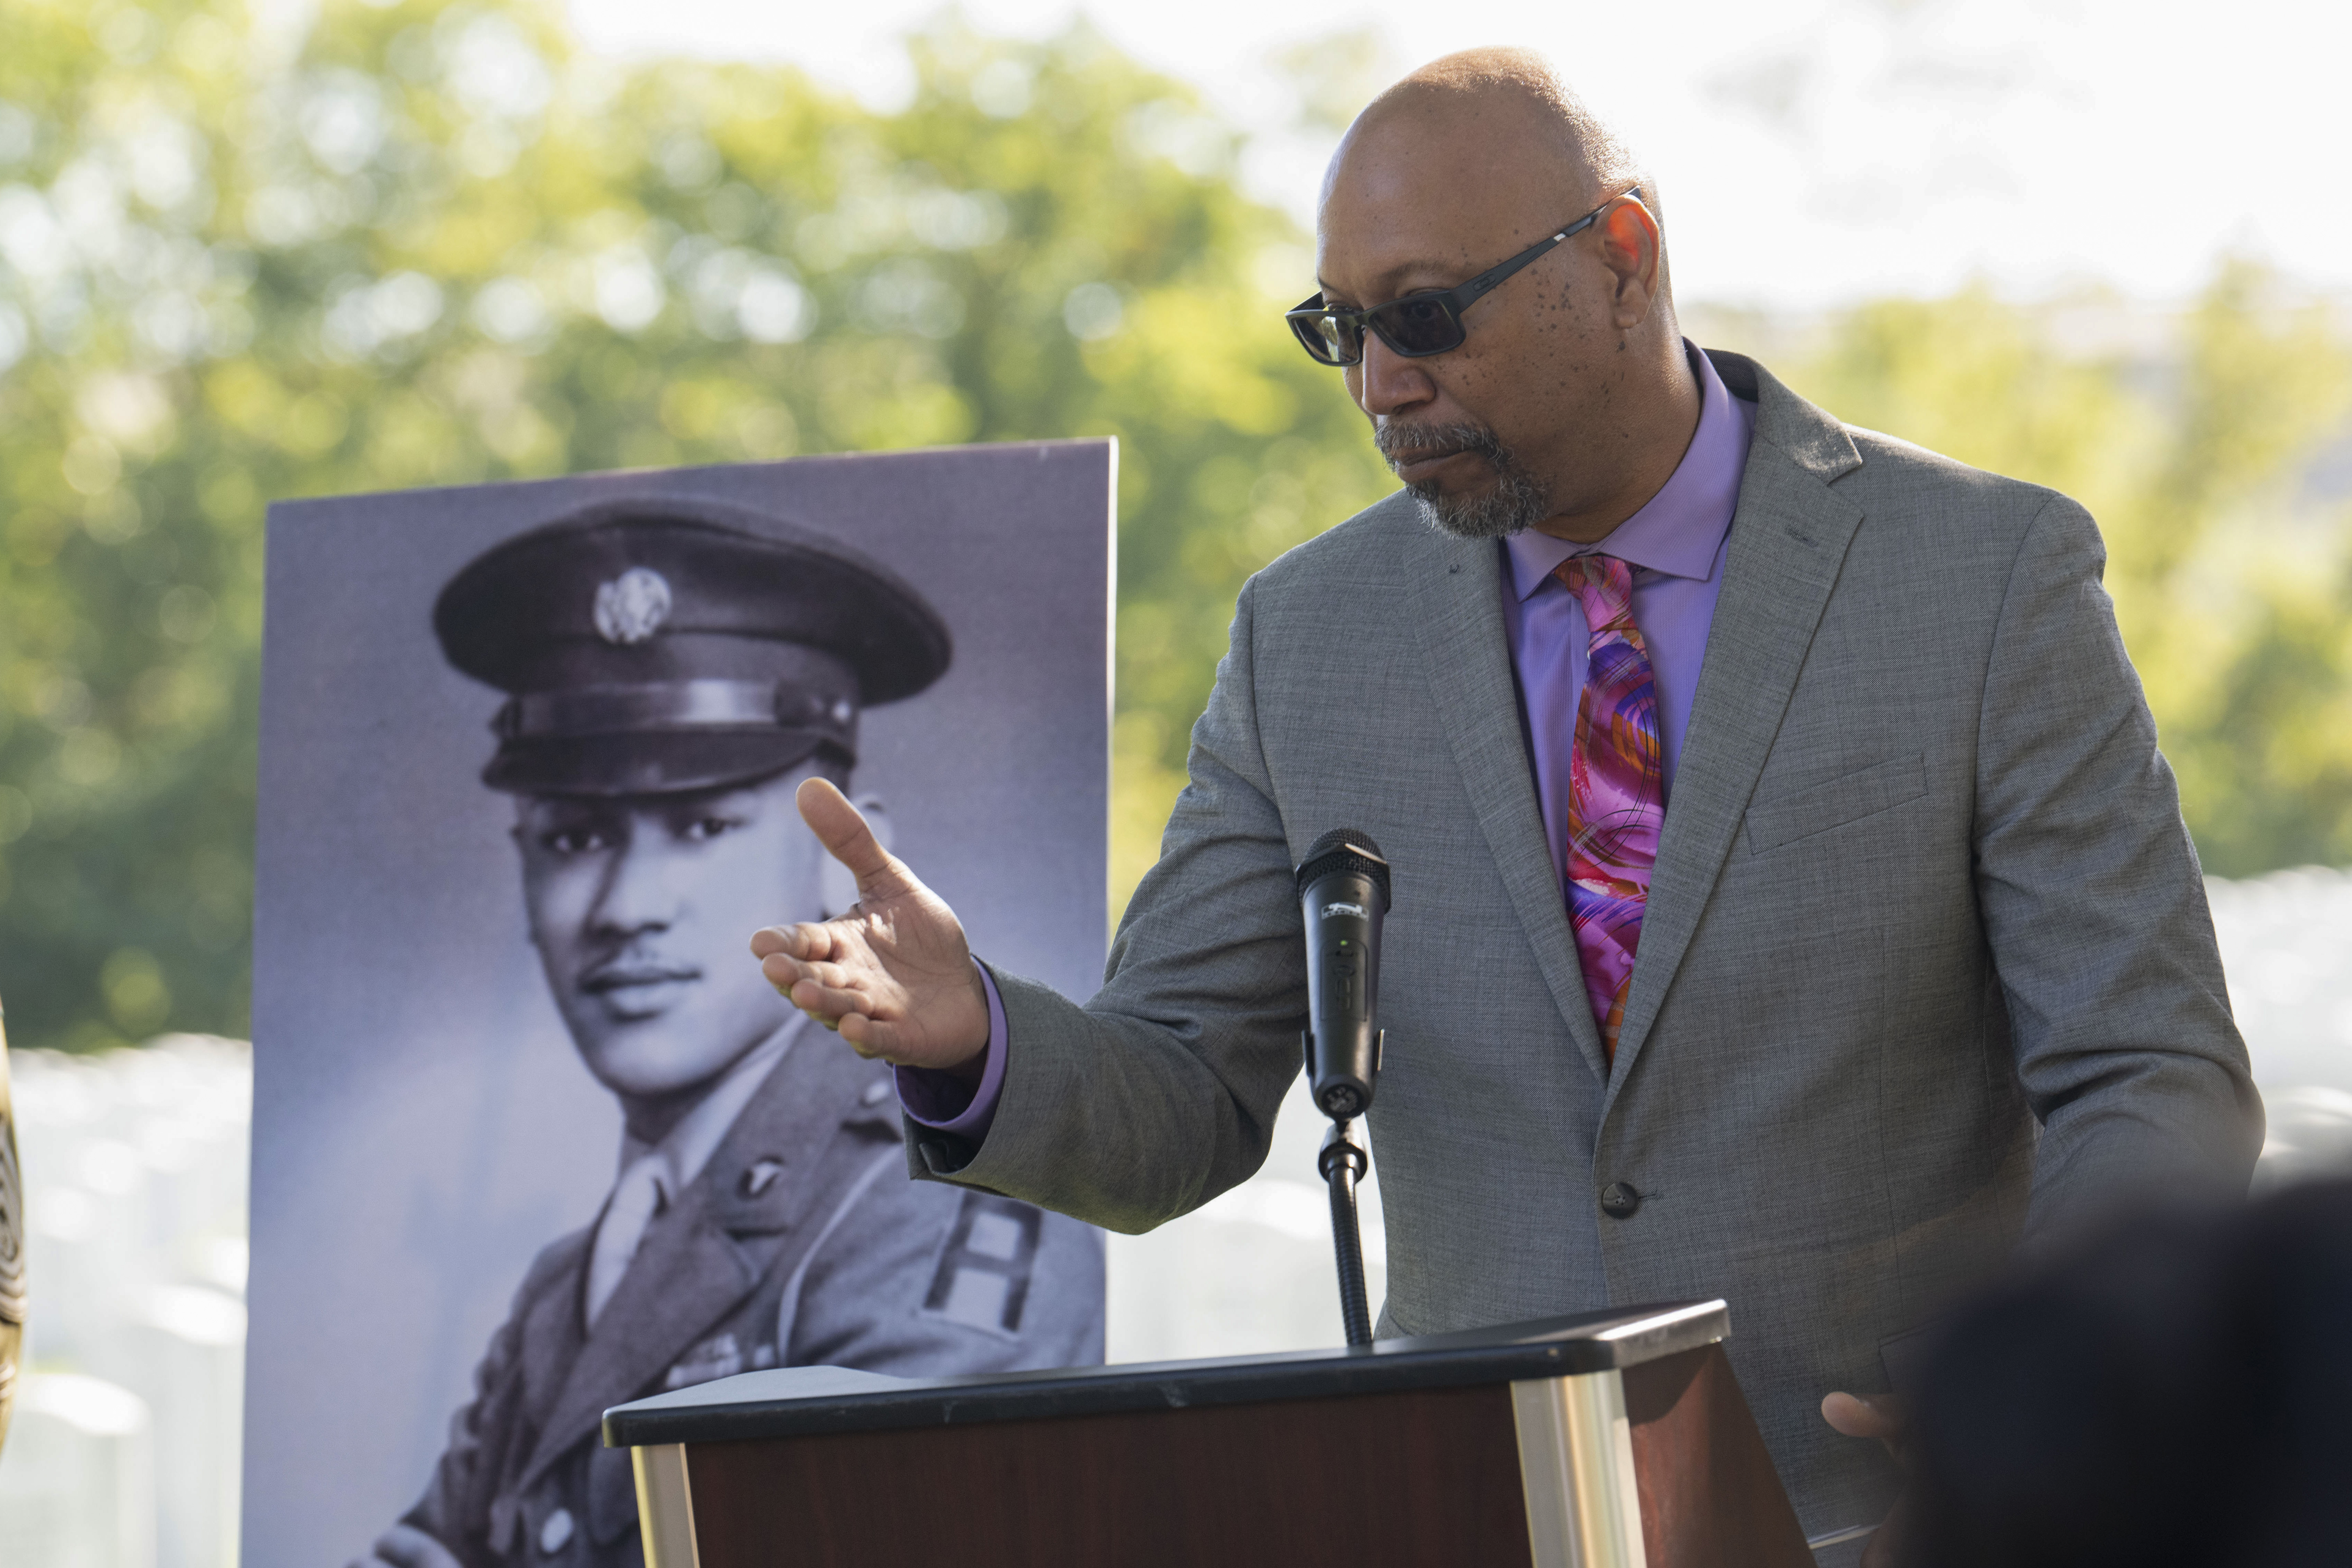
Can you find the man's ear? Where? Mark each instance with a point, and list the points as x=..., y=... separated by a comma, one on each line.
x=836, y=888
x=1633, y=248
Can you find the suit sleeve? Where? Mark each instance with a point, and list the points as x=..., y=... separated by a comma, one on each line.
x=2094, y=906
x=1161, y=1092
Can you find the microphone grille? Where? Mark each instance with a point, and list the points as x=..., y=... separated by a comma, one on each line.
x=1345, y=849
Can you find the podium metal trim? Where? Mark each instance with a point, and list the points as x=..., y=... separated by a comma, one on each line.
x=664, y=1506
x=784, y=1402
x=1576, y=1467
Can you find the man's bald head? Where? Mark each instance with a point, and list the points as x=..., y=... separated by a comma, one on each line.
x=1511, y=103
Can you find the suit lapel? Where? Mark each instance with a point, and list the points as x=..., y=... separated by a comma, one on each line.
x=1789, y=539
x=1457, y=604
x=686, y=1276
x=552, y=1332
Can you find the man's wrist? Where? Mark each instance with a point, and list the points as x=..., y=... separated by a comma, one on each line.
x=970, y=1070
x=944, y=1098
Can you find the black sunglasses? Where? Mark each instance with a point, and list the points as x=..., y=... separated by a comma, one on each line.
x=1419, y=325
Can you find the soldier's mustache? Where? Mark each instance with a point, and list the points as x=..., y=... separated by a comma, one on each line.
x=634, y=967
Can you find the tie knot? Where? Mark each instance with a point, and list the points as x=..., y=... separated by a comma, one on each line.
x=646, y=1181
x=1606, y=585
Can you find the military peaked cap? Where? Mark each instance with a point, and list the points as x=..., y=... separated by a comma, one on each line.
x=661, y=644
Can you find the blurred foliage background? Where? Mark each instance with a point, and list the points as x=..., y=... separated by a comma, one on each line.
x=421, y=243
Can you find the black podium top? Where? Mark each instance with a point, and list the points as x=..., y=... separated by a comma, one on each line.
x=792, y=1402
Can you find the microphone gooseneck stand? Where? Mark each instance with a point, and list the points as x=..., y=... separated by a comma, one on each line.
x=1343, y=1162
x=1343, y=898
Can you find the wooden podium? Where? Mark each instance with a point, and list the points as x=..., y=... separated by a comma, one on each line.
x=1610, y=1440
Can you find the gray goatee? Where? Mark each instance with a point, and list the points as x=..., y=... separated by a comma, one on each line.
x=1516, y=502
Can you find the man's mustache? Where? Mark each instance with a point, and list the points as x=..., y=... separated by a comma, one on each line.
x=1402, y=444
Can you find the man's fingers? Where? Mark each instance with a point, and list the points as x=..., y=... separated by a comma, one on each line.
x=818, y=959
x=800, y=979
x=782, y=972
x=769, y=940
x=809, y=939
x=842, y=829
x=1856, y=1416
x=825, y=1001
x=870, y=1036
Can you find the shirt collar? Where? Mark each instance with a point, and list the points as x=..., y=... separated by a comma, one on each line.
x=1678, y=531
x=687, y=1146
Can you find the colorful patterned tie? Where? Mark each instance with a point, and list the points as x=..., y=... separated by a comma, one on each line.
x=1616, y=803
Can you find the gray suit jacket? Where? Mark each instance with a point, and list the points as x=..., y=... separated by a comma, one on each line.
x=800, y=1244
x=1927, y=959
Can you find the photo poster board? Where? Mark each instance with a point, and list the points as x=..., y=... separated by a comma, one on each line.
x=425, y=1124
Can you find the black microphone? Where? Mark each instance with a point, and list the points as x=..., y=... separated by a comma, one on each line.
x=1343, y=892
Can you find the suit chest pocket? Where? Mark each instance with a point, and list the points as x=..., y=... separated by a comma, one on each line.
x=1811, y=812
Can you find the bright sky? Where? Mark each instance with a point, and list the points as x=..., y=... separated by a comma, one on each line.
x=1812, y=151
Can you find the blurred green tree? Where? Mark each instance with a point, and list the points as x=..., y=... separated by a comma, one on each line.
x=2233, y=579
x=426, y=243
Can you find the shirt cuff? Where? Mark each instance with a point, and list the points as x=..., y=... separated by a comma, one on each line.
x=944, y=1102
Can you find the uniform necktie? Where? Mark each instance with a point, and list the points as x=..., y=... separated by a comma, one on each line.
x=1615, y=801
x=637, y=1198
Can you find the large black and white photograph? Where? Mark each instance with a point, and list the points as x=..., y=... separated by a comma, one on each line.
x=533, y=1136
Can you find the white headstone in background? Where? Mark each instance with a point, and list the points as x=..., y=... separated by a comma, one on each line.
x=77, y=1486
x=2286, y=942
x=128, y=1437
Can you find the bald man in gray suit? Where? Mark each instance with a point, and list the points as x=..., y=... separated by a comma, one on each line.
x=1895, y=950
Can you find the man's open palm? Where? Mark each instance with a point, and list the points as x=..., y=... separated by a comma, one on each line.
x=892, y=973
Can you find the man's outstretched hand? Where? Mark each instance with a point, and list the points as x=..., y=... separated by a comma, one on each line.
x=892, y=975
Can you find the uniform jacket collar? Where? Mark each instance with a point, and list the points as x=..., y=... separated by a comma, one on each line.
x=703, y=1257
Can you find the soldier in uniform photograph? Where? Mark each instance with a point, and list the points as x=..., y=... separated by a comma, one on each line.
x=675, y=670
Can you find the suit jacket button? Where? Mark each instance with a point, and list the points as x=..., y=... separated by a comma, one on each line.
x=1619, y=1200
x=556, y=1533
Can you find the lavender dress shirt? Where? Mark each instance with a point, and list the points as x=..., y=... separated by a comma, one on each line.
x=1675, y=546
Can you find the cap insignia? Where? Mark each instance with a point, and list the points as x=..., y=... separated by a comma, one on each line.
x=632, y=606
